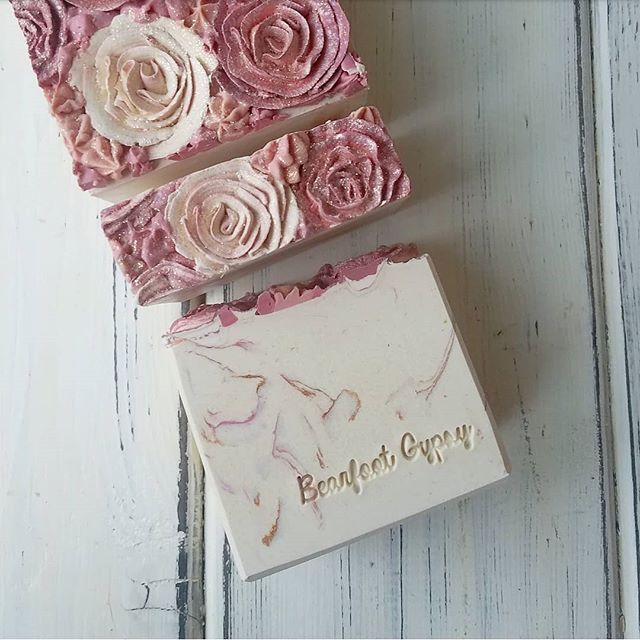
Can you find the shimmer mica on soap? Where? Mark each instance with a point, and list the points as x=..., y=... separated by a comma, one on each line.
x=328, y=409
x=137, y=85
x=173, y=242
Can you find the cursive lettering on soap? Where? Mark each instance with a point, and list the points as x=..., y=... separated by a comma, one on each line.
x=352, y=477
x=432, y=449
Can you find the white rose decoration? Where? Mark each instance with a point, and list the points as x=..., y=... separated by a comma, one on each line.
x=145, y=84
x=230, y=214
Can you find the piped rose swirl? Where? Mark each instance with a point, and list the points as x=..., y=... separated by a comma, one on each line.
x=145, y=84
x=44, y=24
x=230, y=214
x=276, y=54
x=352, y=167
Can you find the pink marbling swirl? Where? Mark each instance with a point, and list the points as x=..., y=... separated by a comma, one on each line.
x=352, y=168
x=280, y=53
x=44, y=25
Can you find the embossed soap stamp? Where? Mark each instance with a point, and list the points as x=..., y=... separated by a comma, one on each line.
x=431, y=449
x=328, y=409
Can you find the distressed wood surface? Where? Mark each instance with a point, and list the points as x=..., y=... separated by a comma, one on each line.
x=526, y=196
x=618, y=64
x=491, y=105
x=95, y=534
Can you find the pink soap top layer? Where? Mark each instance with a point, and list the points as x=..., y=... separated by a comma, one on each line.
x=197, y=229
x=283, y=296
x=134, y=82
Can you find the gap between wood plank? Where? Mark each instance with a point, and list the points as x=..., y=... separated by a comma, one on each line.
x=223, y=569
x=589, y=188
x=616, y=356
x=190, y=586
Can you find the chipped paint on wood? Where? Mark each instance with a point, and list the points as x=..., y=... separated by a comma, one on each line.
x=491, y=106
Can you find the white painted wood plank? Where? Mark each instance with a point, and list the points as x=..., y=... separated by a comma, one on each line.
x=616, y=26
x=92, y=543
x=489, y=102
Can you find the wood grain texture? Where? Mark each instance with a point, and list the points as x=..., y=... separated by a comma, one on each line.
x=491, y=105
x=93, y=495
x=618, y=25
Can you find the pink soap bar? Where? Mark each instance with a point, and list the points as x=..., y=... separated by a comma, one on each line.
x=147, y=87
x=177, y=241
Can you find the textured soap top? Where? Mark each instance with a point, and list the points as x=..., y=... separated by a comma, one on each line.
x=283, y=296
x=134, y=83
x=196, y=230
x=326, y=410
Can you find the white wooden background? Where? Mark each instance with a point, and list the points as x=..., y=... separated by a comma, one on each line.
x=518, y=122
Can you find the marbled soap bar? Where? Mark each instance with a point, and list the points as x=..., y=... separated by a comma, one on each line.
x=146, y=91
x=174, y=242
x=328, y=410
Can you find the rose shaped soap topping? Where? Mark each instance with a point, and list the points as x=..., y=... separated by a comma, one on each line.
x=43, y=23
x=280, y=53
x=352, y=168
x=145, y=84
x=229, y=214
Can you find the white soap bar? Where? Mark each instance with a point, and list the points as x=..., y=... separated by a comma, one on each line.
x=326, y=420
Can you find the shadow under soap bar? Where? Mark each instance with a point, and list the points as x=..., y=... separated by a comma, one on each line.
x=175, y=242
x=147, y=91
x=327, y=410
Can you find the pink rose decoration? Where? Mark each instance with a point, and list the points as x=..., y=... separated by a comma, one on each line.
x=227, y=117
x=283, y=158
x=280, y=53
x=229, y=214
x=141, y=241
x=352, y=168
x=43, y=23
x=145, y=84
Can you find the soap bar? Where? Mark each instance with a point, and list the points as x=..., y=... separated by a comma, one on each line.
x=146, y=91
x=175, y=242
x=327, y=410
